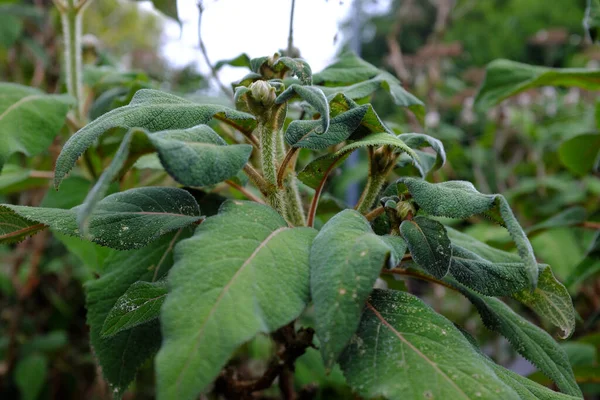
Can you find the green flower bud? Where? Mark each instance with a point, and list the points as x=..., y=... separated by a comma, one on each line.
x=263, y=93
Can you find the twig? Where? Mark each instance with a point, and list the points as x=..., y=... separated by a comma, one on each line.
x=590, y=225
x=290, y=47
x=415, y=274
x=245, y=192
x=289, y=157
x=315, y=201
x=213, y=70
x=375, y=213
x=41, y=174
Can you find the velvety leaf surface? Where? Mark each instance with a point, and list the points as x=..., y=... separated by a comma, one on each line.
x=429, y=244
x=198, y=156
x=14, y=228
x=29, y=119
x=138, y=305
x=505, y=78
x=346, y=70
x=405, y=350
x=419, y=140
x=345, y=260
x=460, y=199
x=530, y=341
x=243, y=272
x=550, y=299
x=486, y=277
x=398, y=246
x=121, y=355
x=152, y=110
x=125, y=220
x=313, y=96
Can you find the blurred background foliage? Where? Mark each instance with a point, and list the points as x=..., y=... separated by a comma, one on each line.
x=539, y=148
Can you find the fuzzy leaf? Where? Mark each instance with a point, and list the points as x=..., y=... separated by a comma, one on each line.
x=14, y=228
x=460, y=199
x=505, y=78
x=550, y=299
x=345, y=260
x=347, y=69
x=121, y=355
x=138, y=305
x=419, y=140
x=152, y=110
x=530, y=341
x=313, y=96
x=29, y=119
x=405, y=350
x=200, y=147
x=220, y=277
x=125, y=220
x=314, y=172
x=429, y=244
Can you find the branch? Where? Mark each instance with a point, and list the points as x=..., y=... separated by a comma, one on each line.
x=245, y=192
x=289, y=157
x=590, y=225
x=315, y=201
x=375, y=213
x=290, y=48
x=213, y=70
x=293, y=345
x=257, y=179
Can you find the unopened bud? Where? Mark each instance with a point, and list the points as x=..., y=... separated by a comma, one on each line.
x=263, y=93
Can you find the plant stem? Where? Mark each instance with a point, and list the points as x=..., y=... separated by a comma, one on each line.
x=256, y=179
x=369, y=195
x=315, y=201
x=290, y=46
x=244, y=191
x=268, y=159
x=289, y=183
x=71, y=14
x=375, y=213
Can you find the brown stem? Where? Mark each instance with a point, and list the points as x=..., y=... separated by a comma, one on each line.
x=315, y=201
x=375, y=213
x=245, y=192
x=290, y=47
x=41, y=174
x=590, y=225
x=416, y=274
x=289, y=158
x=293, y=345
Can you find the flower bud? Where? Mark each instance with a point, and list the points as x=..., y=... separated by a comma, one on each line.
x=263, y=93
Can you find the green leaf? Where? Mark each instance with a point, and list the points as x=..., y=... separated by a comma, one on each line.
x=486, y=277
x=125, y=220
x=530, y=341
x=589, y=265
x=121, y=355
x=527, y=389
x=550, y=299
x=348, y=69
x=460, y=199
x=214, y=161
x=30, y=375
x=243, y=272
x=429, y=244
x=313, y=96
x=152, y=110
x=243, y=60
x=581, y=153
x=405, y=350
x=314, y=172
x=419, y=140
x=345, y=260
x=398, y=246
x=14, y=228
x=277, y=67
x=140, y=304
x=29, y=119
x=505, y=78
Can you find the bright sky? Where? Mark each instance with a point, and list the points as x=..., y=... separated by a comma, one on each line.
x=258, y=28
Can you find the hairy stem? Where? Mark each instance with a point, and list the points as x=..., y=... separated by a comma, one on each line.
x=369, y=195
x=268, y=159
x=288, y=182
x=71, y=14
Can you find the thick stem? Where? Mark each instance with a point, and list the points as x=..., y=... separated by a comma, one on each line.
x=289, y=183
x=71, y=21
x=369, y=195
x=268, y=160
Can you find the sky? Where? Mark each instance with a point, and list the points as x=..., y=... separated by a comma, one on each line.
x=258, y=28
